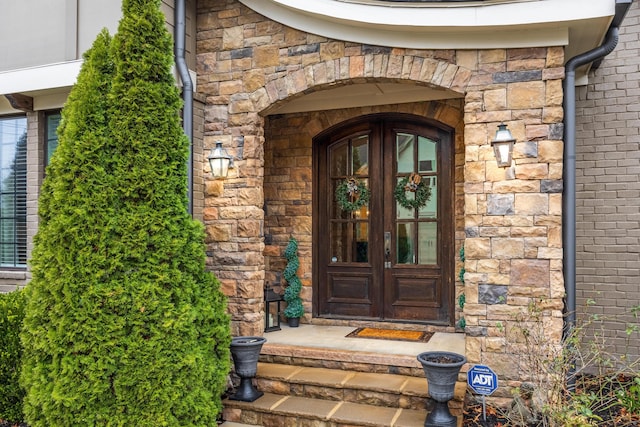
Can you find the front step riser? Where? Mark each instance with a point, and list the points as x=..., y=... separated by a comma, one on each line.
x=344, y=366
x=270, y=419
x=390, y=400
x=280, y=411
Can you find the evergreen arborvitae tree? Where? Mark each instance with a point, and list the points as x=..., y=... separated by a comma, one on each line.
x=124, y=326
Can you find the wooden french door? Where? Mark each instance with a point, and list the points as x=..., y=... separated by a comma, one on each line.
x=381, y=260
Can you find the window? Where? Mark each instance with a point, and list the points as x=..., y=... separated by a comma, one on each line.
x=13, y=192
x=51, y=123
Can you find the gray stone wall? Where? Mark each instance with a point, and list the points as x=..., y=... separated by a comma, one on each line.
x=608, y=191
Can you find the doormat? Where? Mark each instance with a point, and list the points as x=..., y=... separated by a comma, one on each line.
x=391, y=334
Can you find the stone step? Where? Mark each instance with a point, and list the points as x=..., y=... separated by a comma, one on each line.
x=360, y=361
x=388, y=390
x=321, y=397
x=331, y=384
x=274, y=410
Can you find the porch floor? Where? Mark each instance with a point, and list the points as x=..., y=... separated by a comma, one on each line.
x=334, y=338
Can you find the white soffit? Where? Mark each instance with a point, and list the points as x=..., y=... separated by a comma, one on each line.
x=26, y=80
x=578, y=24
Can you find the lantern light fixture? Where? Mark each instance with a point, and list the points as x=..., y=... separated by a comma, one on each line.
x=220, y=161
x=272, y=309
x=503, y=146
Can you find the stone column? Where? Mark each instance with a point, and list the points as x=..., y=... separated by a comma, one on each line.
x=513, y=246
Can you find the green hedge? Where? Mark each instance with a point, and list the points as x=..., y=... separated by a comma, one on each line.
x=124, y=326
x=11, y=316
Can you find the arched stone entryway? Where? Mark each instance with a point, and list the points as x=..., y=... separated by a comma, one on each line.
x=236, y=219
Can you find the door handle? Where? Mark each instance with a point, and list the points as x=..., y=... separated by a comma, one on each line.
x=387, y=249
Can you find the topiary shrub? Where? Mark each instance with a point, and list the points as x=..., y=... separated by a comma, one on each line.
x=11, y=394
x=294, y=286
x=124, y=326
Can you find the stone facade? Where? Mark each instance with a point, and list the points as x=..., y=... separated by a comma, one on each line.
x=508, y=219
x=608, y=192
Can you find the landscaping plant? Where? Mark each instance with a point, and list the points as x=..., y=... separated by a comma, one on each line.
x=123, y=325
x=11, y=394
x=294, y=286
x=578, y=383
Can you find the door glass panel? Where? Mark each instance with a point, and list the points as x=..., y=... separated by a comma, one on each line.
x=360, y=155
x=339, y=233
x=349, y=225
x=404, y=244
x=337, y=211
x=362, y=242
x=402, y=212
x=426, y=155
x=417, y=227
x=430, y=210
x=339, y=159
x=405, y=152
x=427, y=243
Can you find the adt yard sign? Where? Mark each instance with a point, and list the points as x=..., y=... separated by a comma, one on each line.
x=482, y=380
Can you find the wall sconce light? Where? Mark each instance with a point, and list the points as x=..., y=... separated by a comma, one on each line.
x=220, y=161
x=272, y=303
x=503, y=146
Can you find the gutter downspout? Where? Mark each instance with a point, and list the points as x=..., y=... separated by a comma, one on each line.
x=187, y=90
x=569, y=196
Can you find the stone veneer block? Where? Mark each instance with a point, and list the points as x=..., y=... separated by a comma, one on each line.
x=477, y=248
x=526, y=95
x=492, y=294
x=532, y=204
x=530, y=273
x=507, y=248
x=500, y=204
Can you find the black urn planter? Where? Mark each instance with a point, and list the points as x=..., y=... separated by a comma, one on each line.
x=293, y=322
x=441, y=369
x=245, y=352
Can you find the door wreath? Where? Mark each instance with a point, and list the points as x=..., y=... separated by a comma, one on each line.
x=414, y=184
x=352, y=194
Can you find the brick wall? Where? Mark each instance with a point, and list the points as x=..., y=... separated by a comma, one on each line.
x=199, y=156
x=608, y=190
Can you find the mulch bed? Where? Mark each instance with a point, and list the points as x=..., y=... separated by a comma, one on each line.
x=473, y=416
x=609, y=412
